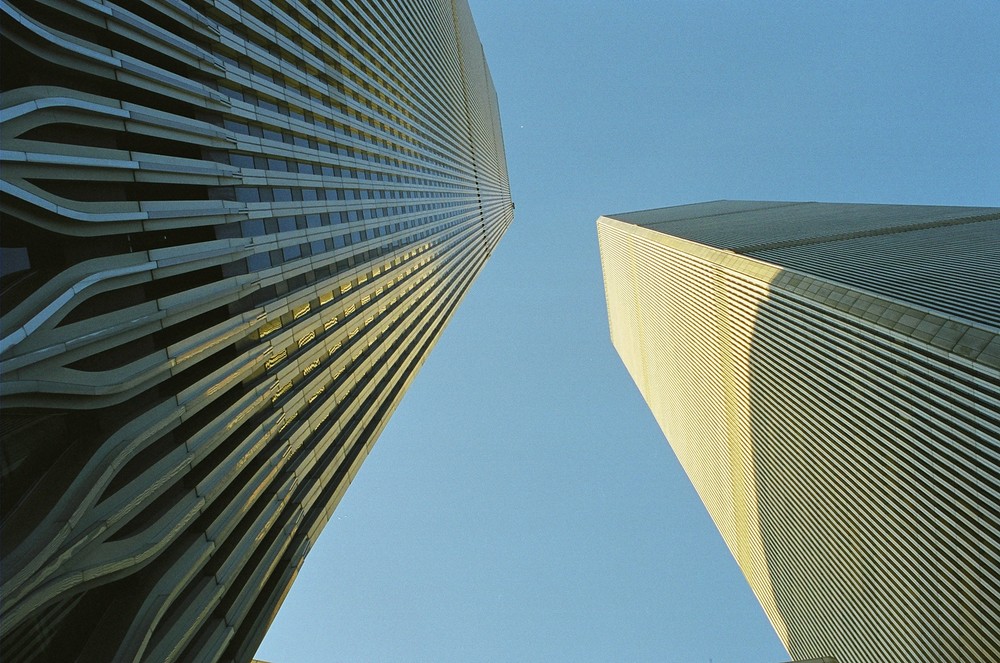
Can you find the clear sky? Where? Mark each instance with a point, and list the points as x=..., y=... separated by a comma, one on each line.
x=522, y=504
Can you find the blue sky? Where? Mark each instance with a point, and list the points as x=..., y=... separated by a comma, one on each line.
x=522, y=503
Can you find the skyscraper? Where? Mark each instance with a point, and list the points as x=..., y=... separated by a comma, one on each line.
x=829, y=377
x=232, y=233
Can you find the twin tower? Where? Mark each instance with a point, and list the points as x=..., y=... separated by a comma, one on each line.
x=233, y=231
x=829, y=378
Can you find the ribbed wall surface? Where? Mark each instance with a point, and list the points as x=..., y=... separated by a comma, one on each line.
x=846, y=443
x=232, y=231
x=942, y=258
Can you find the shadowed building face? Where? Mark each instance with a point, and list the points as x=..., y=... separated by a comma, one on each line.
x=232, y=233
x=829, y=377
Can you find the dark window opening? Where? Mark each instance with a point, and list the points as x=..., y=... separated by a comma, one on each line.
x=115, y=357
x=105, y=191
x=89, y=136
x=105, y=302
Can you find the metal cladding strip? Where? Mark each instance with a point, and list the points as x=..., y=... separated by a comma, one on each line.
x=241, y=589
x=232, y=232
x=846, y=443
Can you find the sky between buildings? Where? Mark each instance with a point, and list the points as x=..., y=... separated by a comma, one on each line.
x=522, y=504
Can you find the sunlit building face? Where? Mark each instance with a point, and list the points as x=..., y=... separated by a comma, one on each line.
x=829, y=378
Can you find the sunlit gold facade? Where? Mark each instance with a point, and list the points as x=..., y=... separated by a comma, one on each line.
x=829, y=377
x=232, y=232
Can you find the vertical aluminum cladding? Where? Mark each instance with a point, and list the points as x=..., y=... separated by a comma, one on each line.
x=829, y=377
x=232, y=231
